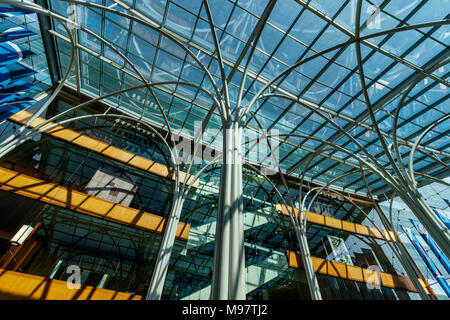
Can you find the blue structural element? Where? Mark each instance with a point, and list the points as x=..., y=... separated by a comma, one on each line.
x=14, y=72
x=430, y=264
x=13, y=89
x=10, y=11
x=9, y=109
x=11, y=52
x=17, y=87
x=10, y=31
x=15, y=92
x=433, y=246
x=9, y=97
x=443, y=218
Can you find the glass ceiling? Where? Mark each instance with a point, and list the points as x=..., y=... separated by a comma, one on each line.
x=292, y=32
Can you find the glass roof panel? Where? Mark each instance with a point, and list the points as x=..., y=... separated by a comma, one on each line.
x=291, y=32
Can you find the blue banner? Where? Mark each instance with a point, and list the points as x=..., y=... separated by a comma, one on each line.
x=10, y=31
x=12, y=73
x=19, y=87
x=5, y=76
x=11, y=53
x=9, y=97
x=430, y=264
x=8, y=109
x=13, y=90
x=433, y=246
x=10, y=11
x=441, y=216
x=19, y=71
x=446, y=201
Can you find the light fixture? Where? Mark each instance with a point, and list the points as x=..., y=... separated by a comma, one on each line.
x=21, y=235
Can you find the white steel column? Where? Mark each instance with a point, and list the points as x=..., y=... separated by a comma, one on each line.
x=229, y=256
x=162, y=262
x=310, y=273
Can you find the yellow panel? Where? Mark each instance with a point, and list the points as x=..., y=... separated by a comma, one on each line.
x=294, y=260
x=68, y=135
x=355, y=273
x=345, y=271
x=19, y=286
x=116, y=153
x=140, y=162
x=374, y=232
x=316, y=218
x=360, y=229
x=348, y=226
x=103, y=148
x=390, y=235
x=340, y=224
x=333, y=223
x=387, y=280
x=50, y=193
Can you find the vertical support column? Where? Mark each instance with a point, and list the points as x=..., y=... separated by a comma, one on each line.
x=237, y=252
x=219, y=286
x=165, y=250
x=403, y=256
x=229, y=255
x=310, y=273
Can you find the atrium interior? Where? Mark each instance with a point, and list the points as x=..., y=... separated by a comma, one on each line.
x=224, y=149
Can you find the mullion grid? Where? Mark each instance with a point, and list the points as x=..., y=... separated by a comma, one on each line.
x=388, y=68
x=353, y=72
x=419, y=159
x=271, y=56
x=411, y=136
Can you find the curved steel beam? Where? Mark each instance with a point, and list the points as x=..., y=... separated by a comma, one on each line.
x=366, y=94
x=390, y=180
x=7, y=147
x=227, y=115
x=146, y=23
x=413, y=149
x=339, y=46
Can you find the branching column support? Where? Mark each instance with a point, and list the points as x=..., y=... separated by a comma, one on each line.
x=406, y=187
x=310, y=273
x=298, y=223
x=162, y=262
x=229, y=258
x=401, y=253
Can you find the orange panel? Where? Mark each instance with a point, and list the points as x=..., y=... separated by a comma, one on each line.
x=22, y=286
x=102, y=148
x=374, y=232
x=348, y=226
x=345, y=271
x=50, y=193
x=340, y=224
x=333, y=223
x=316, y=218
x=361, y=229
